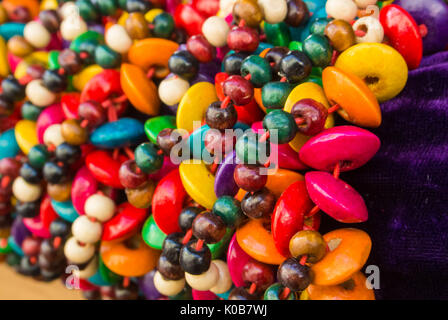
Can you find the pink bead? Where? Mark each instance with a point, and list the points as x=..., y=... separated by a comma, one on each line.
x=203, y=295
x=49, y=116
x=236, y=260
x=351, y=145
x=335, y=197
x=13, y=61
x=36, y=227
x=83, y=186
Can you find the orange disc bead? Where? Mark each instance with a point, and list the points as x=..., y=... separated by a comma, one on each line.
x=282, y=179
x=31, y=5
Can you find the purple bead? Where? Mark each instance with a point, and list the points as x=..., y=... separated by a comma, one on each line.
x=225, y=185
x=335, y=197
x=19, y=231
x=97, y=27
x=147, y=286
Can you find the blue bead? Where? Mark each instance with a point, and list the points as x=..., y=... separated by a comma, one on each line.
x=8, y=144
x=15, y=247
x=11, y=29
x=65, y=210
x=121, y=133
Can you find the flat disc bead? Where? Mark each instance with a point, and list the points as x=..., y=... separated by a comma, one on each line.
x=335, y=197
x=204, y=281
x=350, y=145
x=24, y=191
x=38, y=94
x=36, y=34
x=86, y=230
x=99, y=207
x=77, y=253
x=168, y=287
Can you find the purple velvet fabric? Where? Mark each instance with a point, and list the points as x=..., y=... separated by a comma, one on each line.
x=405, y=187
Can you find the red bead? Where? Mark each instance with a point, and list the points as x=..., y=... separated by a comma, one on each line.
x=259, y=273
x=124, y=223
x=189, y=19
x=249, y=178
x=200, y=48
x=240, y=90
x=105, y=168
x=130, y=176
x=243, y=39
x=312, y=113
x=70, y=103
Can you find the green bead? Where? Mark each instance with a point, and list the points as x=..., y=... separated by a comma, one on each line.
x=274, y=292
x=13, y=259
x=229, y=209
x=185, y=294
x=106, y=57
x=87, y=42
x=318, y=26
x=163, y=25
x=30, y=111
x=107, y=275
x=295, y=45
x=277, y=34
x=107, y=7
x=258, y=68
x=87, y=10
x=274, y=94
x=281, y=122
x=220, y=248
x=250, y=151
x=122, y=4
x=152, y=234
x=38, y=155
x=147, y=158
x=318, y=49
x=6, y=249
x=156, y=124
x=317, y=80
x=53, y=60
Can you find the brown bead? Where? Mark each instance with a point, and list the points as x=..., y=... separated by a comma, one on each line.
x=167, y=139
x=293, y=275
x=141, y=197
x=259, y=204
x=50, y=20
x=249, y=11
x=169, y=270
x=129, y=176
x=59, y=192
x=209, y=227
x=249, y=178
x=341, y=34
x=73, y=133
x=93, y=112
x=241, y=294
x=19, y=47
x=3, y=15
x=70, y=61
x=221, y=118
x=10, y=167
x=275, y=55
x=298, y=13
x=310, y=243
x=137, y=26
x=259, y=273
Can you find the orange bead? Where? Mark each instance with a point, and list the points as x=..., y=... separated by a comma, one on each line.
x=130, y=258
x=141, y=91
x=349, y=250
x=358, y=103
x=257, y=242
x=353, y=289
x=31, y=5
x=282, y=179
x=153, y=52
x=257, y=97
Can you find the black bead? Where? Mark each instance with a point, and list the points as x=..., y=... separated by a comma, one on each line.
x=171, y=271
x=30, y=174
x=184, y=64
x=91, y=294
x=67, y=153
x=28, y=209
x=60, y=228
x=27, y=268
x=180, y=35
x=54, y=81
x=259, y=204
x=137, y=6
x=129, y=292
x=187, y=216
x=232, y=63
x=295, y=66
x=241, y=294
x=171, y=247
x=218, y=118
x=195, y=261
x=6, y=106
x=54, y=173
x=275, y=55
x=48, y=251
x=293, y=275
x=12, y=89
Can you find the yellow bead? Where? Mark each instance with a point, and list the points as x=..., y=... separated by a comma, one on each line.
x=198, y=182
x=151, y=14
x=26, y=136
x=80, y=79
x=38, y=57
x=4, y=66
x=49, y=5
x=122, y=20
x=194, y=104
x=381, y=67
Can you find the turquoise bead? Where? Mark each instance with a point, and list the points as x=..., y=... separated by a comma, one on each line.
x=15, y=247
x=262, y=46
x=11, y=29
x=229, y=209
x=318, y=49
x=147, y=159
x=8, y=144
x=65, y=210
x=106, y=57
x=250, y=151
x=274, y=94
x=226, y=294
x=277, y=34
x=38, y=155
x=118, y=134
x=258, y=68
x=318, y=26
x=281, y=122
x=30, y=112
x=274, y=291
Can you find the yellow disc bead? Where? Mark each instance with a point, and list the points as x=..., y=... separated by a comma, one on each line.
x=38, y=57
x=80, y=79
x=26, y=135
x=4, y=66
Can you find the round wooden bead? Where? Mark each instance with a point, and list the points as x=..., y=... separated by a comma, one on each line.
x=72, y=27
x=36, y=34
x=341, y=34
x=204, y=281
x=249, y=11
x=171, y=90
x=224, y=282
x=118, y=39
x=77, y=252
x=141, y=197
x=86, y=230
x=310, y=243
x=68, y=9
x=342, y=9
x=38, y=94
x=168, y=287
x=274, y=11
x=24, y=191
x=73, y=133
x=99, y=207
x=59, y=192
x=372, y=27
x=364, y=3
x=137, y=26
x=53, y=135
x=215, y=30
x=19, y=47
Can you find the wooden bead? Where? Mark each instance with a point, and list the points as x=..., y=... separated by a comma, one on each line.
x=137, y=26
x=249, y=11
x=24, y=191
x=364, y=3
x=59, y=192
x=341, y=34
x=36, y=34
x=68, y=9
x=171, y=90
x=77, y=252
x=168, y=287
x=215, y=30
x=225, y=7
x=53, y=135
x=88, y=271
x=99, y=207
x=73, y=133
x=204, y=281
x=342, y=9
x=72, y=27
x=274, y=11
x=38, y=94
x=141, y=197
x=19, y=47
x=118, y=39
x=372, y=27
x=85, y=230
x=224, y=282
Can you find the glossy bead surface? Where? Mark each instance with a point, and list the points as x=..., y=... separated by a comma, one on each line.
x=99, y=207
x=129, y=176
x=250, y=150
x=293, y=275
x=274, y=94
x=249, y=11
x=297, y=13
x=259, y=70
x=170, y=271
x=120, y=133
x=282, y=123
x=341, y=34
x=309, y=243
x=274, y=11
x=195, y=261
x=38, y=94
x=341, y=9
x=372, y=27
x=295, y=66
x=141, y=196
x=259, y=204
x=219, y=118
x=118, y=39
x=318, y=49
x=274, y=292
x=36, y=34
x=249, y=178
x=147, y=159
x=24, y=191
x=168, y=287
x=215, y=30
x=229, y=209
x=238, y=89
x=204, y=281
x=209, y=227
x=73, y=133
x=86, y=231
x=77, y=253
x=184, y=64
x=313, y=113
x=258, y=273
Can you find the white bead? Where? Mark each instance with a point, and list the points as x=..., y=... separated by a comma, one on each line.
x=36, y=34
x=88, y=271
x=224, y=280
x=24, y=191
x=53, y=135
x=118, y=39
x=68, y=9
x=203, y=281
x=373, y=28
x=168, y=287
x=215, y=30
x=342, y=9
x=274, y=11
x=364, y=3
x=77, y=253
x=72, y=27
x=38, y=94
x=225, y=7
x=171, y=90
x=99, y=207
x=86, y=230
